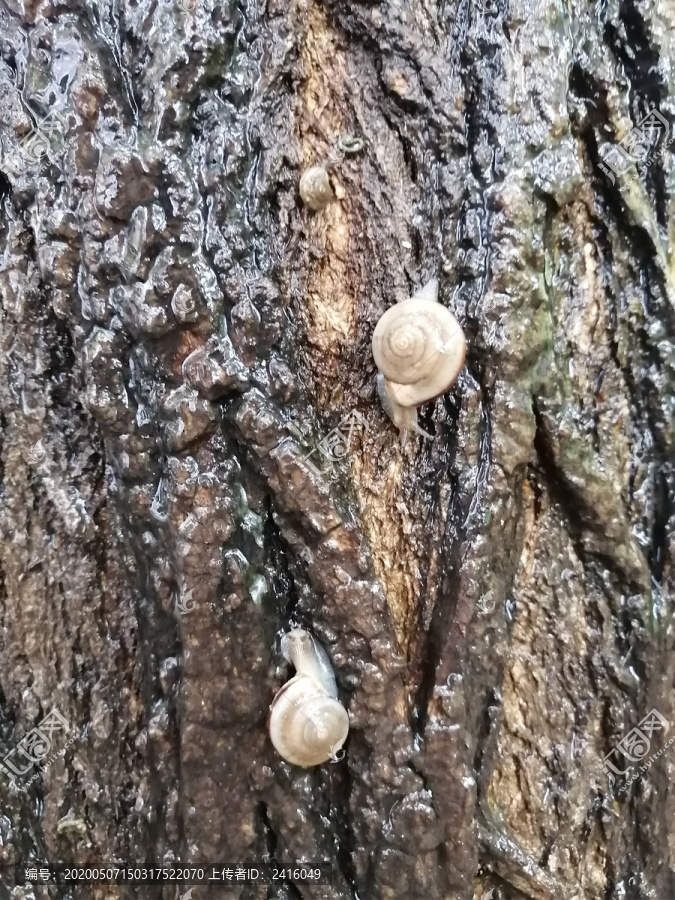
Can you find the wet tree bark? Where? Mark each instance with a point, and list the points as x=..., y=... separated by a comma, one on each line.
x=179, y=332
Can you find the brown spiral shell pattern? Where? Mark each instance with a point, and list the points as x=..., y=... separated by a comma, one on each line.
x=419, y=347
x=307, y=726
x=307, y=723
x=315, y=188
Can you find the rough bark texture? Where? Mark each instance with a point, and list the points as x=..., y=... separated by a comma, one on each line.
x=177, y=333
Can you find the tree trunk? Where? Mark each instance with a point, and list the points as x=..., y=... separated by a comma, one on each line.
x=178, y=334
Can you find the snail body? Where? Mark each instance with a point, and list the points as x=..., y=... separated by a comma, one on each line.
x=419, y=349
x=307, y=723
x=309, y=658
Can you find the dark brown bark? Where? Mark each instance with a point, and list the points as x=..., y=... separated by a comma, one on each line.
x=178, y=333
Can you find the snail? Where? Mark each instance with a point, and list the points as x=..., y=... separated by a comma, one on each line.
x=315, y=188
x=419, y=348
x=307, y=723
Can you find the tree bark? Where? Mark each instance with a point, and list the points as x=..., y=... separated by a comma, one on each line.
x=178, y=334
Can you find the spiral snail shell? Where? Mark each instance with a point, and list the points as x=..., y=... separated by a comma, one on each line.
x=315, y=188
x=307, y=723
x=419, y=348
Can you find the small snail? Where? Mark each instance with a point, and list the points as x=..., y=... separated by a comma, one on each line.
x=307, y=723
x=315, y=187
x=419, y=348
